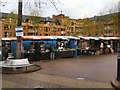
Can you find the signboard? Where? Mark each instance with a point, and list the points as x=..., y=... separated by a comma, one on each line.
x=19, y=31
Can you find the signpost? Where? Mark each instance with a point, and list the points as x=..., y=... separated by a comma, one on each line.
x=19, y=31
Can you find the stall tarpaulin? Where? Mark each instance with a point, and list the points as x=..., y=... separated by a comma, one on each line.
x=37, y=37
x=99, y=38
x=70, y=37
x=85, y=38
x=59, y=37
x=109, y=38
x=94, y=38
x=9, y=39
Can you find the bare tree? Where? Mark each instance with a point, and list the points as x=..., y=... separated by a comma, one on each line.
x=40, y=5
x=34, y=12
x=109, y=9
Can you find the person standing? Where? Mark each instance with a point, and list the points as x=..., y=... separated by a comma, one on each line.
x=5, y=51
x=101, y=48
x=52, y=52
x=37, y=51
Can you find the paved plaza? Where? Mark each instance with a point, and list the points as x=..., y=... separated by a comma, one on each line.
x=80, y=72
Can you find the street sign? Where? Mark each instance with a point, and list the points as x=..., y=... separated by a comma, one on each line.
x=19, y=31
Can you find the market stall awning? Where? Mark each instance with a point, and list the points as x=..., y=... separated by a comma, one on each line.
x=109, y=38
x=36, y=38
x=99, y=38
x=94, y=38
x=60, y=37
x=70, y=37
x=5, y=39
x=82, y=37
x=9, y=39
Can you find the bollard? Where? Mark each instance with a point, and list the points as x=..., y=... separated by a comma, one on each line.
x=118, y=68
x=116, y=82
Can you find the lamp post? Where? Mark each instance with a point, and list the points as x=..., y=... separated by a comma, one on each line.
x=18, y=43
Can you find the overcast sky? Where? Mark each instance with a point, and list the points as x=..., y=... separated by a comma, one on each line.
x=72, y=8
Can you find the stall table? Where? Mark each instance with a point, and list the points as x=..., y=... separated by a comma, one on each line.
x=40, y=56
x=64, y=54
x=46, y=55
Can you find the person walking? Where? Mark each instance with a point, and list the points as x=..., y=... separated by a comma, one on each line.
x=52, y=52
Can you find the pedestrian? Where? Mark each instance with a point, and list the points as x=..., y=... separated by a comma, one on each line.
x=52, y=52
x=37, y=51
x=101, y=48
x=5, y=51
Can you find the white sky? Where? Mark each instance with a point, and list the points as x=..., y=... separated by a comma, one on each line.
x=72, y=8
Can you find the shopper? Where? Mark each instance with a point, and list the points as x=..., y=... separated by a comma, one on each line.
x=5, y=51
x=52, y=52
x=37, y=51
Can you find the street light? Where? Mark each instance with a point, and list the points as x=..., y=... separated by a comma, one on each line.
x=18, y=48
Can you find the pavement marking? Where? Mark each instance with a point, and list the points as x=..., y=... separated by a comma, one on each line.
x=81, y=78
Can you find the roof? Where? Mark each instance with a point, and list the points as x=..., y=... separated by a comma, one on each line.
x=40, y=38
x=99, y=38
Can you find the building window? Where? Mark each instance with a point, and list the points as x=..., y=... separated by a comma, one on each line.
x=54, y=29
x=46, y=29
x=62, y=29
x=59, y=29
x=72, y=23
x=62, y=34
x=72, y=29
x=24, y=27
x=45, y=34
x=7, y=34
x=48, y=23
x=40, y=28
x=54, y=34
x=6, y=27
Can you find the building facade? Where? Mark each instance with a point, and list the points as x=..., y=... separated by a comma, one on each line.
x=60, y=25
x=39, y=26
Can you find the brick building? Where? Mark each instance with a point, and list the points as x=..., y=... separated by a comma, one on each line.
x=38, y=26
x=60, y=25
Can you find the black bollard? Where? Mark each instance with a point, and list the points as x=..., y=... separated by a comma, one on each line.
x=116, y=82
x=118, y=68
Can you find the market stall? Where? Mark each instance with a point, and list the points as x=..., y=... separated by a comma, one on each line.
x=88, y=45
x=98, y=45
x=110, y=44
x=66, y=47
x=37, y=47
